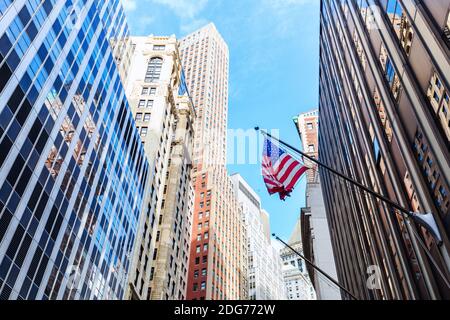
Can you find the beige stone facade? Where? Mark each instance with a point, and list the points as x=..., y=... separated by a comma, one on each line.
x=165, y=122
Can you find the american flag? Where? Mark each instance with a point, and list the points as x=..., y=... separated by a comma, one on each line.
x=280, y=170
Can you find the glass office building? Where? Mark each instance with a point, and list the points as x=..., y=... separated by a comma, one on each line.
x=73, y=169
x=384, y=121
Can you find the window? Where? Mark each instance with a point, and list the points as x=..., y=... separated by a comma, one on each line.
x=144, y=90
x=310, y=126
x=206, y=235
x=205, y=247
x=144, y=131
x=436, y=97
x=199, y=227
x=138, y=116
x=442, y=191
x=438, y=83
x=203, y=285
x=447, y=29
x=147, y=117
x=197, y=260
x=152, y=91
x=152, y=272
x=158, y=47
x=376, y=149
x=195, y=274
x=400, y=24
x=311, y=148
x=141, y=104
x=439, y=99
x=149, y=104
x=153, y=70
x=390, y=72
x=197, y=250
x=195, y=287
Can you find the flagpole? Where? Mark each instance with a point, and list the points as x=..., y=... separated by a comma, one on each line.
x=317, y=268
x=432, y=228
x=346, y=178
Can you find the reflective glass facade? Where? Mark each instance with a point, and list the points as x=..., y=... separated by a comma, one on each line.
x=72, y=167
x=384, y=83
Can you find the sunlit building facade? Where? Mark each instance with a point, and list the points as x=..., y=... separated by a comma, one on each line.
x=384, y=92
x=164, y=116
x=315, y=231
x=264, y=278
x=307, y=125
x=294, y=269
x=217, y=263
x=73, y=169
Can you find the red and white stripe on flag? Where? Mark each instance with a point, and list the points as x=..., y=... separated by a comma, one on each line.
x=280, y=170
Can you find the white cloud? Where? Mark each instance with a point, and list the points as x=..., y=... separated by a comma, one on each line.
x=145, y=21
x=283, y=15
x=129, y=5
x=287, y=4
x=193, y=25
x=184, y=8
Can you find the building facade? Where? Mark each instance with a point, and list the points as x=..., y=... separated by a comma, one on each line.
x=265, y=277
x=314, y=222
x=307, y=125
x=73, y=170
x=295, y=274
x=217, y=268
x=164, y=117
x=174, y=236
x=384, y=81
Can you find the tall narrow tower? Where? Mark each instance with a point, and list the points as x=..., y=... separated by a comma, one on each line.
x=164, y=116
x=217, y=266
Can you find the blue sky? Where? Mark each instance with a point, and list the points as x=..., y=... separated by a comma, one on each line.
x=274, y=52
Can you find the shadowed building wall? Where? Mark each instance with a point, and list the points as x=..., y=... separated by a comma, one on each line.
x=384, y=81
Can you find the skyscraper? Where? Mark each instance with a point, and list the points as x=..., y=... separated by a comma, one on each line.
x=73, y=170
x=217, y=266
x=164, y=117
x=296, y=280
x=384, y=81
x=313, y=218
x=265, y=278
